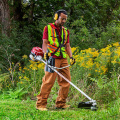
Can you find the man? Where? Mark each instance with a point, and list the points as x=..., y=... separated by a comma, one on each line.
x=55, y=46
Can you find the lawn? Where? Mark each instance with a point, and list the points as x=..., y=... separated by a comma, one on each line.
x=25, y=110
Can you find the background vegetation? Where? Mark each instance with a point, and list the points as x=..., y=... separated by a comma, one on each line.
x=94, y=37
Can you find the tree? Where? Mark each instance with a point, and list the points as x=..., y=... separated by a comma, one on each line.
x=95, y=13
x=4, y=16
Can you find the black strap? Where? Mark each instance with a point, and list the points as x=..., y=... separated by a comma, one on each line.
x=63, y=36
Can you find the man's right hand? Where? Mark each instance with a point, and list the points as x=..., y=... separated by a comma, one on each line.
x=46, y=56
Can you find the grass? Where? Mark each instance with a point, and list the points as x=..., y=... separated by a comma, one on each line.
x=14, y=109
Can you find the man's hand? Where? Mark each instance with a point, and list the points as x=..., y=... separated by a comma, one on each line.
x=72, y=60
x=46, y=56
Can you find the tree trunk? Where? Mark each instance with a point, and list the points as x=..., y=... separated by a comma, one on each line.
x=4, y=17
x=17, y=10
x=30, y=19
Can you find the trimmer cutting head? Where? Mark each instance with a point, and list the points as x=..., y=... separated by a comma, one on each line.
x=88, y=105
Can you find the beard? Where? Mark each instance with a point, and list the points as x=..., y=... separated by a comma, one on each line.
x=61, y=24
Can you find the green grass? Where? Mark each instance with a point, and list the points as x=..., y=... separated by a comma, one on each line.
x=25, y=110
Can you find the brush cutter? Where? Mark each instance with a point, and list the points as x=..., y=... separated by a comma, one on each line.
x=37, y=54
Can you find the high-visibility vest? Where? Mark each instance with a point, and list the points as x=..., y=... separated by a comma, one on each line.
x=57, y=46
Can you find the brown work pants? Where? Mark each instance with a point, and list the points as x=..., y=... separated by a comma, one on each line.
x=48, y=81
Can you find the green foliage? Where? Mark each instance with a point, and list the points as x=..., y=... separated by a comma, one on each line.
x=80, y=35
x=13, y=47
x=95, y=13
x=14, y=94
x=107, y=89
x=4, y=81
x=90, y=22
x=100, y=37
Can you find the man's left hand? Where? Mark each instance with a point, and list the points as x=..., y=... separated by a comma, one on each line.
x=72, y=61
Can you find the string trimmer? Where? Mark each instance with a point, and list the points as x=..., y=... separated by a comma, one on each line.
x=37, y=54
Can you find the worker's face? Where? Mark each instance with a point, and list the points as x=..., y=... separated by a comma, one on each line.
x=62, y=19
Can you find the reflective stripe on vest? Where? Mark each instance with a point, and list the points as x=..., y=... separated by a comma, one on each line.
x=56, y=46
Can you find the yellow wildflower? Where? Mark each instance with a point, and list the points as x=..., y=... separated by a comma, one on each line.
x=20, y=68
x=118, y=51
x=109, y=46
x=34, y=68
x=9, y=69
x=21, y=82
x=114, y=57
x=73, y=49
x=81, y=58
x=104, y=69
x=96, y=70
x=89, y=63
x=97, y=65
x=114, y=61
x=24, y=57
x=83, y=52
x=20, y=77
x=89, y=74
x=25, y=68
x=19, y=64
x=83, y=64
x=88, y=50
x=95, y=54
x=116, y=44
x=103, y=50
x=41, y=65
x=26, y=78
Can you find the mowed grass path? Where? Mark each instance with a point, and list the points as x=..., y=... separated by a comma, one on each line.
x=25, y=110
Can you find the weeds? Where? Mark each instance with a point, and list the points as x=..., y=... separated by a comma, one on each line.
x=14, y=94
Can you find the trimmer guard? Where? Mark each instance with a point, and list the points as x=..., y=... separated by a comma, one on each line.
x=88, y=105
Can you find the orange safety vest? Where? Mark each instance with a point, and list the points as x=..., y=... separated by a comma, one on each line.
x=57, y=46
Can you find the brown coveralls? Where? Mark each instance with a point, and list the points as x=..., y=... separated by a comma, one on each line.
x=48, y=81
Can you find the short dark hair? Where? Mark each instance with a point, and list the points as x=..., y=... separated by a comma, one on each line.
x=61, y=11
